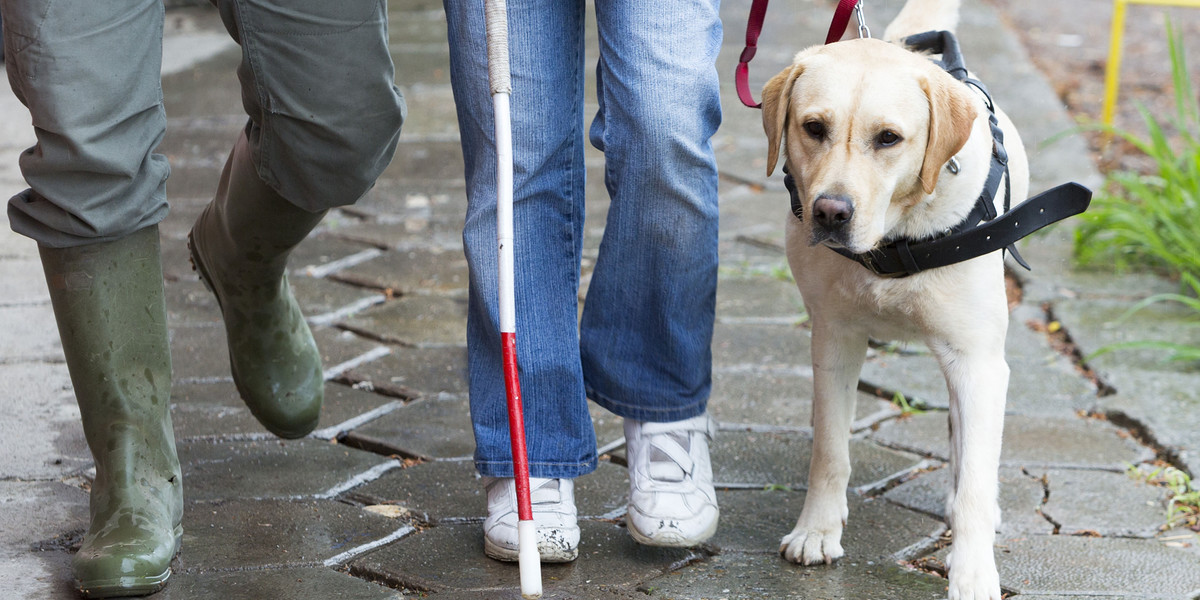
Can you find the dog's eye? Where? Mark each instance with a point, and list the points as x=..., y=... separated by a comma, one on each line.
x=887, y=138
x=816, y=129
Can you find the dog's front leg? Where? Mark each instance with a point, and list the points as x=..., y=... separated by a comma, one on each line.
x=977, y=381
x=837, y=359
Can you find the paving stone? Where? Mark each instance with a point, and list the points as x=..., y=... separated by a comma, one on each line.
x=436, y=233
x=1096, y=323
x=1042, y=381
x=757, y=254
x=757, y=209
x=393, y=202
x=236, y=547
x=449, y=491
x=1057, y=279
x=761, y=346
x=767, y=576
x=1166, y=408
x=1028, y=441
x=434, y=427
x=33, y=333
x=199, y=351
x=292, y=582
x=781, y=398
x=42, y=521
x=1109, y=504
x=412, y=372
x=759, y=299
x=320, y=297
x=450, y=557
x=420, y=321
x=190, y=304
x=610, y=429
x=1085, y=566
x=323, y=248
x=208, y=90
x=41, y=436
x=341, y=350
x=754, y=521
x=1055, y=390
x=215, y=410
x=1021, y=497
x=425, y=160
x=742, y=458
x=425, y=270
x=268, y=469
x=603, y=493
x=430, y=491
x=256, y=534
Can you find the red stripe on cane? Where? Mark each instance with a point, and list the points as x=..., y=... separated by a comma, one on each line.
x=516, y=425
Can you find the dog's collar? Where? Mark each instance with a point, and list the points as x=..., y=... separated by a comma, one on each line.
x=980, y=232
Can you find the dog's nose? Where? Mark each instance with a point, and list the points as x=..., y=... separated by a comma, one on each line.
x=833, y=212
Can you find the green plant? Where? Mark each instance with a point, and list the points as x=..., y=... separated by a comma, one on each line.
x=1153, y=221
x=907, y=408
x=1183, y=508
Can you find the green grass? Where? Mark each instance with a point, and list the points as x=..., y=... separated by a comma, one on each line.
x=1152, y=221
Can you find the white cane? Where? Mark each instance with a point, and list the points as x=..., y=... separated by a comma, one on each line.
x=529, y=560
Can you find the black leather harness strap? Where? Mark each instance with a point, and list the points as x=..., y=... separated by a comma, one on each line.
x=903, y=258
x=981, y=231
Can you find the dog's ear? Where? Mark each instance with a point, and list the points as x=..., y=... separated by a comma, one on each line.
x=775, y=108
x=951, y=116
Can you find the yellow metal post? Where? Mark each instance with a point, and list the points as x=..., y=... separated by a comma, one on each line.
x=1112, y=72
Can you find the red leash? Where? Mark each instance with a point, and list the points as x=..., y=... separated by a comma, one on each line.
x=758, y=10
x=841, y=18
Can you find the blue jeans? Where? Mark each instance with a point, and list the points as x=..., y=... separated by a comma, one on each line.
x=642, y=348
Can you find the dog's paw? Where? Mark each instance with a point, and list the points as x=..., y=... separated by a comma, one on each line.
x=973, y=578
x=810, y=546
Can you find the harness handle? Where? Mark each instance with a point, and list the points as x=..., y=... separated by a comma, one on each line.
x=758, y=11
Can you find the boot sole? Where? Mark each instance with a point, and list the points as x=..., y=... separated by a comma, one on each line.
x=120, y=587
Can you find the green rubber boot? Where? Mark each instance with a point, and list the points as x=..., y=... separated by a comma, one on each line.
x=239, y=247
x=112, y=319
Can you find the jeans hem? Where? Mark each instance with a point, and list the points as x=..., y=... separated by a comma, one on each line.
x=638, y=412
x=548, y=470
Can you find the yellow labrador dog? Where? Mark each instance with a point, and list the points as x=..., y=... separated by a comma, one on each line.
x=883, y=144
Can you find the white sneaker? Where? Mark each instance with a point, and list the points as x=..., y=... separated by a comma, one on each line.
x=671, y=497
x=554, y=514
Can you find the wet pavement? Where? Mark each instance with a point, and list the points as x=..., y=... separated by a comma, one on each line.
x=383, y=502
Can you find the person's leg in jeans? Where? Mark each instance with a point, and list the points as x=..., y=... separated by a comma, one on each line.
x=546, y=59
x=89, y=73
x=648, y=317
